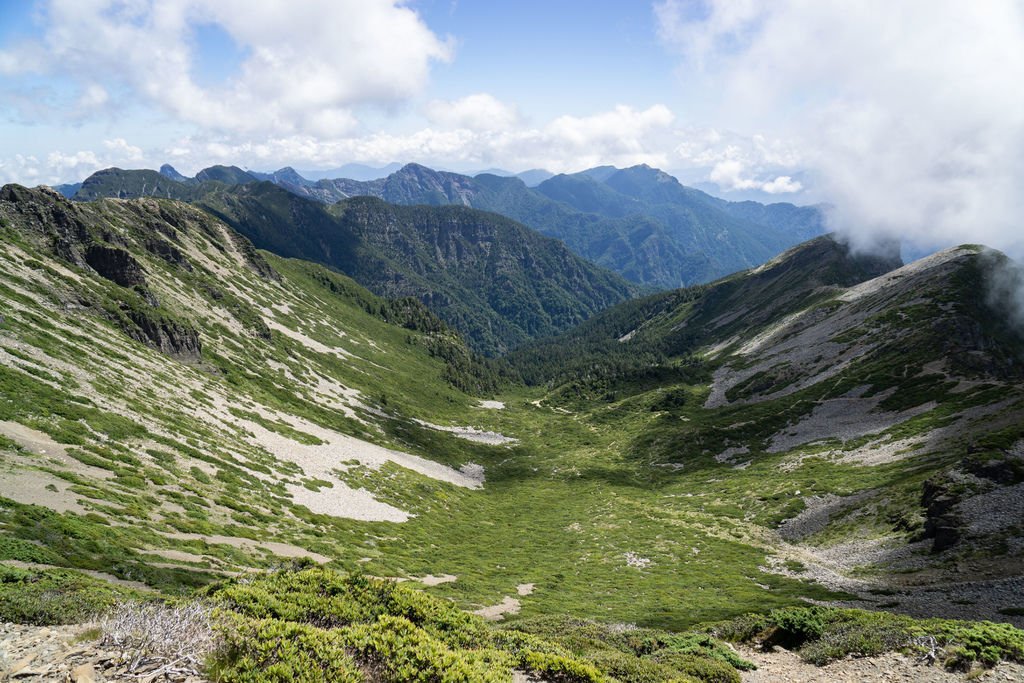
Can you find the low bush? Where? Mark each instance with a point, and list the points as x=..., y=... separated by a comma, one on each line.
x=54, y=596
x=824, y=634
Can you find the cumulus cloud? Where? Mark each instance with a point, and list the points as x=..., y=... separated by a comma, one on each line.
x=730, y=174
x=120, y=148
x=473, y=132
x=908, y=114
x=61, y=167
x=479, y=112
x=349, y=53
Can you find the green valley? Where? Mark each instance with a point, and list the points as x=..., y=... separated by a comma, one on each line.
x=824, y=434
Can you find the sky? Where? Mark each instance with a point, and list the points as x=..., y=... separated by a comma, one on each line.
x=905, y=118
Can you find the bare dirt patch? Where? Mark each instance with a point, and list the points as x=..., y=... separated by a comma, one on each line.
x=33, y=487
x=280, y=549
x=508, y=605
x=491, y=405
x=431, y=580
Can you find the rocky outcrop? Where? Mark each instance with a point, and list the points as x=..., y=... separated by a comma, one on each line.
x=115, y=264
x=168, y=252
x=73, y=653
x=167, y=336
x=942, y=522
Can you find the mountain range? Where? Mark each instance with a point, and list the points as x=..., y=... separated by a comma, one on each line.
x=639, y=222
x=181, y=408
x=496, y=281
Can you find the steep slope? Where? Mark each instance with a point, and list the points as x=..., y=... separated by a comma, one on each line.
x=177, y=405
x=639, y=222
x=680, y=322
x=880, y=417
x=193, y=401
x=496, y=282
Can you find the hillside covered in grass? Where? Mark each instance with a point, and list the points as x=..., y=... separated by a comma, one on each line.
x=178, y=409
x=497, y=282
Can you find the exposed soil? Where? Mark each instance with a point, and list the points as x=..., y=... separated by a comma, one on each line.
x=782, y=665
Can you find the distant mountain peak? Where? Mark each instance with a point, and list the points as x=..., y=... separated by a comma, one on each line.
x=169, y=171
x=230, y=175
x=288, y=175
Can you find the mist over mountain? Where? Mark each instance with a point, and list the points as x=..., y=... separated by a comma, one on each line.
x=354, y=171
x=303, y=378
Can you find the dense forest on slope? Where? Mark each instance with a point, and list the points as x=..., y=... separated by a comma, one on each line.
x=495, y=281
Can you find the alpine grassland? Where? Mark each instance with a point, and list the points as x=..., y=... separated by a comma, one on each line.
x=805, y=454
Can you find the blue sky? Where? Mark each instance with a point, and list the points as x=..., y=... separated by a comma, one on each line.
x=599, y=65
x=906, y=117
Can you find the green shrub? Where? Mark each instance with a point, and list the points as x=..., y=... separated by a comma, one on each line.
x=399, y=651
x=700, y=668
x=275, y=651
x=560, y=668
x=797, y=625
x=54, y=596
x=25, y=551
x=825, y=634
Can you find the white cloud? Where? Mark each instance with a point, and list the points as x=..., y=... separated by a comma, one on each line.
x=61, y=167
x=908, y=114
x=459, y=138
x=781, y=184
x=120, y=148
x=622, y=136
x=305, y=66
x=92, y=96
x=731, y=174
x=479, y=112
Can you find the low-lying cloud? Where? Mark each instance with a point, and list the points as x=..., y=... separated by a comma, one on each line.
x=908, y=115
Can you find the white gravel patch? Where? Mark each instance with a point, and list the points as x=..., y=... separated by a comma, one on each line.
x=471, y=434
x=308, y=342
x=319, y=461
x=341, y=500
x=29, y=487
x=280, y=549
x=844, y=418
x=431, y=580
x=491, y=405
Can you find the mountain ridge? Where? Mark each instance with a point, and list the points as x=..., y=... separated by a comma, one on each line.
x=648, y=227
x=403, y=261
x=730, y=454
